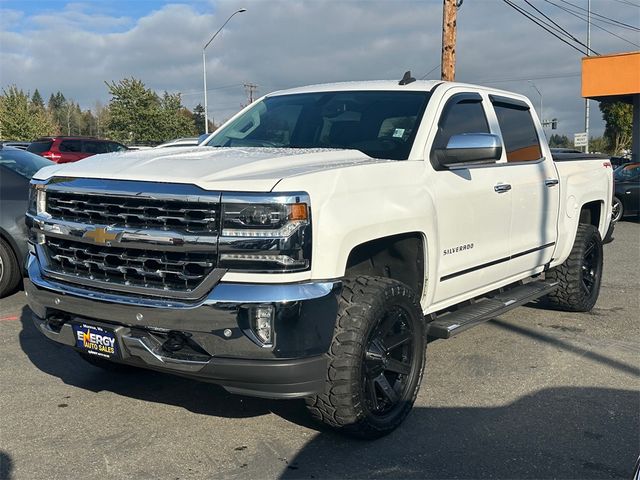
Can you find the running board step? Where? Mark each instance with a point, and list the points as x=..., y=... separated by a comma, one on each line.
x=450, y=324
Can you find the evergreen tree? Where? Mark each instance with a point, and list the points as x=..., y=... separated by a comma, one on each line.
x=36, y=99
x=20, y=119
x=198, y=118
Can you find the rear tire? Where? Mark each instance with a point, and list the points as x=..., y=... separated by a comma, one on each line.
x=10, y=273
x=617, y=210
x=376, y=359
x=579, y=277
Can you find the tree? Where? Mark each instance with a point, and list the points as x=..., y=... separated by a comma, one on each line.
x=56, y=106
x=139, y=115
x=20, y=119
x=559, y=141
x=198, y=118
x=36, y=99
x=175, y=119
x=598, y=145
x=101, y=116
x=618, y=130
x=134, y=112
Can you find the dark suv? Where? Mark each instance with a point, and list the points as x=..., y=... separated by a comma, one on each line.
x=71, y=149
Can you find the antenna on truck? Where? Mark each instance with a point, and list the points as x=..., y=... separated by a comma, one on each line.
x=407, y=78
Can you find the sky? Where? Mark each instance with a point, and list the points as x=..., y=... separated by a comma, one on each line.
x=74, y=47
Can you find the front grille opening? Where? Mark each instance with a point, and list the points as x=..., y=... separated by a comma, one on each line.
x=149, y=213
x=169, y=271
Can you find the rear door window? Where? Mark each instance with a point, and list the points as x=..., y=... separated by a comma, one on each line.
x=74, y=146
x=40, y=146
x=519, y=133
x=95, y=147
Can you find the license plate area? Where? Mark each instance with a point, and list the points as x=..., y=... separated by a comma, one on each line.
x=96, y=340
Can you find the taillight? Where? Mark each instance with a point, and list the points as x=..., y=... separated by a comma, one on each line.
x=54, y=157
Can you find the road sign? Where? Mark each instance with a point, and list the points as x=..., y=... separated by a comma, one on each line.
x=580, y=139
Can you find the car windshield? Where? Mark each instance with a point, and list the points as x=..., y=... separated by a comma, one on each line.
x=21, y=162
x=381, y=124
x=627, y=172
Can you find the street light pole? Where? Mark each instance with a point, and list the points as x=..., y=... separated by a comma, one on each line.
x=539, y=93
x=204, y=69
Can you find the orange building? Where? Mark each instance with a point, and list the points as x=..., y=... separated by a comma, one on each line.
x=615, y=77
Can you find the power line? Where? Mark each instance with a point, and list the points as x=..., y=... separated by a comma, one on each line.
x=605, y=18
x=522, y=79
x=430, y=71
x=553, y=22
x=537, y=22
x=199, y=92
x=627, y=2
x=578, y=15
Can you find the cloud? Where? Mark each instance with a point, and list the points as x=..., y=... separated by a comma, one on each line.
x=280, y=44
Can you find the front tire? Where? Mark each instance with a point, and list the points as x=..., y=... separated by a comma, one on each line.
x=579, y=277
x=9, y=270
x=376, y=359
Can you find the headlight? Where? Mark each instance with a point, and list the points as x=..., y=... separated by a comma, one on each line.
x=37, y=199
x=264, y=233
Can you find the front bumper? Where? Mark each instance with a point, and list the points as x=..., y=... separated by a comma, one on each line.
x=224, y=349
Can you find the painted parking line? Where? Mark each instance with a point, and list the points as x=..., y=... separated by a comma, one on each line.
x=9, y=318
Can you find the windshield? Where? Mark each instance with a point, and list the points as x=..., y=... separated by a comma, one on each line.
x=380, y=124
x=628, y=172
x=21, y=162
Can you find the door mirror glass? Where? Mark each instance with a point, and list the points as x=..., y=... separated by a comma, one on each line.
x=471, y=148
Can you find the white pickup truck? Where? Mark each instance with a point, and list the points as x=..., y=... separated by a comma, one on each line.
x=313, y=244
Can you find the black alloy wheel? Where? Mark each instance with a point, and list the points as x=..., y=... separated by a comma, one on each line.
x=591, y=265
x=388, y=361
x=579, y=277
x=375, y=361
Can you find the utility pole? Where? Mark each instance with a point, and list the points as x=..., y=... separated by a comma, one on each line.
x=586, y=100
x=448, y=61
x=250, y=88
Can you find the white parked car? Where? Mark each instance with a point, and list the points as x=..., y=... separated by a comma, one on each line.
x=180, y=142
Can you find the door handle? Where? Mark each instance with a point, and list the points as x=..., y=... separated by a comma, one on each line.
x=502, y=188
x=551, y=182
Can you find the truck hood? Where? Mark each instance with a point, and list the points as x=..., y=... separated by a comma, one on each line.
x=211, y=168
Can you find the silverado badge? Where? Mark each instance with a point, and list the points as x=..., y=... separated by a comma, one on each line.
x=100, y=236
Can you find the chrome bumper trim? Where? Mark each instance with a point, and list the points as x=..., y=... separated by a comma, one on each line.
x=222, y=293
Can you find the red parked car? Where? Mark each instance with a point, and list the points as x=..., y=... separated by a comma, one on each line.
x=71, y=149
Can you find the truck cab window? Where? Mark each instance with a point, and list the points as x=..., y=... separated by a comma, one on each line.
x=518, y=133
x=460, y=116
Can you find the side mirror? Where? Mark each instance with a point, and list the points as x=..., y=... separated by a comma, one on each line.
x=203, y=137
x=471, y=148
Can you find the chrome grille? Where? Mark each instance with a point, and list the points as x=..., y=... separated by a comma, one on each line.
x=135, y=212
x=164, y=270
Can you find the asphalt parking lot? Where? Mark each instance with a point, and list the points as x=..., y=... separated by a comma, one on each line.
x=532, y=394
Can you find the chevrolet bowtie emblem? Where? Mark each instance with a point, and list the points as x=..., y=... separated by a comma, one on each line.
x=100, y=235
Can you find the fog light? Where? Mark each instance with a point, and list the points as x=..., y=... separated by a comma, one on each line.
x=262, y=323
